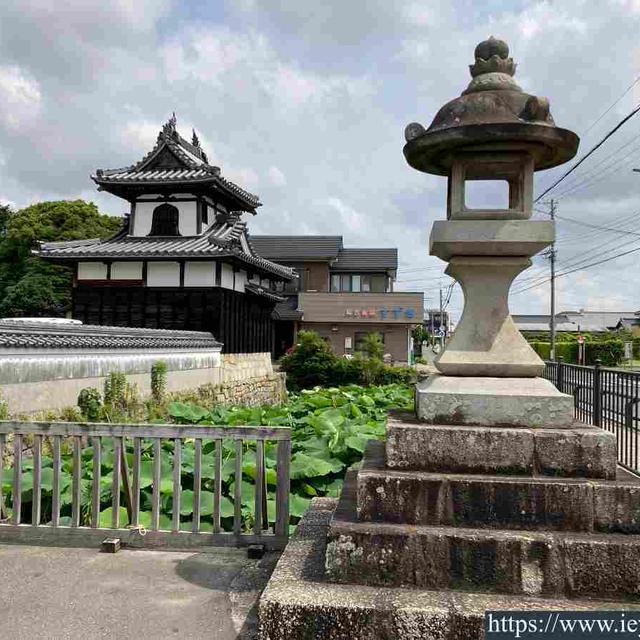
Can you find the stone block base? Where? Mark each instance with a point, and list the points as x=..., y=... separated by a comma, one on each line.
x=299, y=604
x=579, y=451
x=493, y=402
x=511, y=562
x=493, y=501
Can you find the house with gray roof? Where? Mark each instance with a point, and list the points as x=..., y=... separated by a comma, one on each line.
x=343, y=293
x=182, y=259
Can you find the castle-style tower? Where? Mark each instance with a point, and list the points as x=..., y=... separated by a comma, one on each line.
x=183, y=258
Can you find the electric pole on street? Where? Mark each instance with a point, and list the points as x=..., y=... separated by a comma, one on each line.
x=552, y=258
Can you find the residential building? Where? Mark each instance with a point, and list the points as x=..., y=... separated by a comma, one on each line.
x=582, y=320
x=181, y=259
x=342, y=293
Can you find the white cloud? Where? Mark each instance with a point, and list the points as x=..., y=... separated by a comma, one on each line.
x=349, y=219
x=418, y=13
x=20, y=97
x=277, y=177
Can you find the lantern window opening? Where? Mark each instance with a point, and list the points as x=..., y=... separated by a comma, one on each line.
x=514, y=169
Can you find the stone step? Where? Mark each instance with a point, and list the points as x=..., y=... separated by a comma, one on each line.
x=578, y=451
x=498, y=502
x=299, y=604
x=485, y=560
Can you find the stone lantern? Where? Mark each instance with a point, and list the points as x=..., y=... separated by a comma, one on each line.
x=493, y=131
x=493, y=498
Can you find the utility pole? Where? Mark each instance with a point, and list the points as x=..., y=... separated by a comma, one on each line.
x=552, y=258
x=441, y=323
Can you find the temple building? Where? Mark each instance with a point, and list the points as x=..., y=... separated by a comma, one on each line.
x=182, y=258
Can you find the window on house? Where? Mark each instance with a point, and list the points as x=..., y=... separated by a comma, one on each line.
x=335, y=282
x=366, y=284
x=345, y=282
x=377, y=284
x=165, y=221
x=355, y=284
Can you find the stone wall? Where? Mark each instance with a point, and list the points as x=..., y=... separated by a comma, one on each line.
x=252, y=391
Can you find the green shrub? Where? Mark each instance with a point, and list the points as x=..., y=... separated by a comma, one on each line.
x=90, y=403
x=568, y=351
x=4, y=409
x=373, y=346
x=610, y=352
x=158, y=381
x=309, y=361
x=543, y=349
x=390, y=374
x=115, y=387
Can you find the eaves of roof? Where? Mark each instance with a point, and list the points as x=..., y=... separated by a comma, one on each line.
x=219, y=241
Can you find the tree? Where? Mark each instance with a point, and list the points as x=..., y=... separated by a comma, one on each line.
x=5, y=210
x=30, y=286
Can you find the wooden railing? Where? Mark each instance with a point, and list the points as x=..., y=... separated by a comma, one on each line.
x=22, y=442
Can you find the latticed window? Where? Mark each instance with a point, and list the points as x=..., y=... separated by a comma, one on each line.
x=165, y=221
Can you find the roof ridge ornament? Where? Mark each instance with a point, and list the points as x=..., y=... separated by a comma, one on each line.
x=195, y=141
x=169, y=128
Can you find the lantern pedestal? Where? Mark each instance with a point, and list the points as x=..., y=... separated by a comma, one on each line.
x=493, y=402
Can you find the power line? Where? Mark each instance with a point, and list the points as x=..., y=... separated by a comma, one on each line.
x=584, y=268
x=602, y=115
x=589, y=153
x=598, y=227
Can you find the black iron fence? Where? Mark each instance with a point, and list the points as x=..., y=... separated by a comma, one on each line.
x=607, y=398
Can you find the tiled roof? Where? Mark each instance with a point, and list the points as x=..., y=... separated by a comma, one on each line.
x=297, y=248
x=189, y=164
x=256, y=289
x=77, y=336
x=288, y=309
x=221, y=239
x=366, y=260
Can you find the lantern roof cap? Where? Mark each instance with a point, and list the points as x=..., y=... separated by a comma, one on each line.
x=493, y=108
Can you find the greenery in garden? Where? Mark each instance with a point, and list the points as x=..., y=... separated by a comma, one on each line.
x=330, y=428
x=312, y=363
x=609, y=352
x=30, y=286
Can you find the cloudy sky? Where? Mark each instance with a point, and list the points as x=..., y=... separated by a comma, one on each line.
x=305, y=103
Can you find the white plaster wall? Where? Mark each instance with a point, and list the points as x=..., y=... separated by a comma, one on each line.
x=92, y=271
x=265, y=283
x=199, y=274
x=53, y=381
x=187, y=223
x=226, y=279
x=241, y=280
x=126, y=271
x=163, y=274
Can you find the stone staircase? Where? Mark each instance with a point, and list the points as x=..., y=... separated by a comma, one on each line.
x=535, y=512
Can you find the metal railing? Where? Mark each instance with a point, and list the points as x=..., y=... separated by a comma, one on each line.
x=151, y=449
x=607, y=398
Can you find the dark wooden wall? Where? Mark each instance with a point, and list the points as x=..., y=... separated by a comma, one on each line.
x=242, y=322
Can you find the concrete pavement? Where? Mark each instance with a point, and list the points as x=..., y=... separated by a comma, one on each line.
x=67, y=593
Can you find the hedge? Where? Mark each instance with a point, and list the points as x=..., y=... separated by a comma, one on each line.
x=609, y=352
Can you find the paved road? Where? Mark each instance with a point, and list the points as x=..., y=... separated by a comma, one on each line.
x=56, y=593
